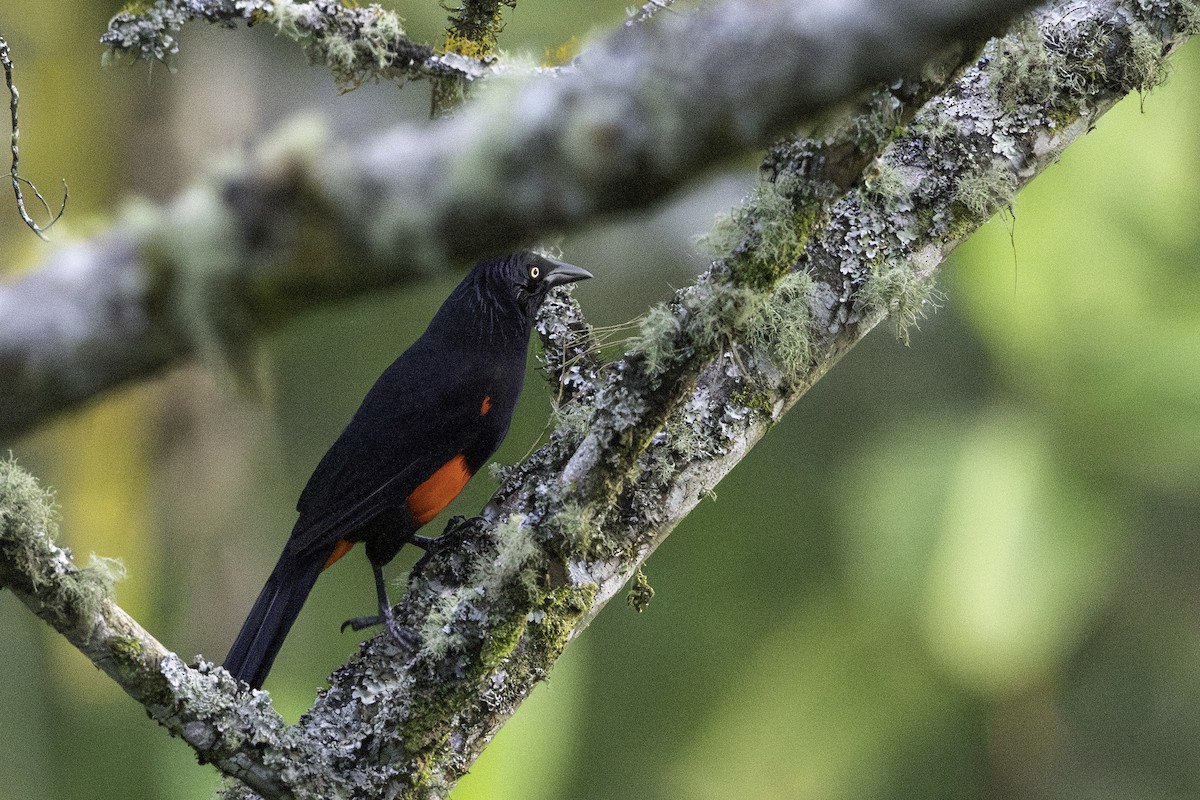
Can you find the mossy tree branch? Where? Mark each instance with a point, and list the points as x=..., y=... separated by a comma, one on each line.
x=355, y=43
x=199, y=704
x=845, y=230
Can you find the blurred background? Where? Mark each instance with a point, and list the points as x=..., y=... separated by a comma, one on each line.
x=966, y=568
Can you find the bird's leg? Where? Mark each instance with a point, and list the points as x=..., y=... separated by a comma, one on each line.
x=405, y=637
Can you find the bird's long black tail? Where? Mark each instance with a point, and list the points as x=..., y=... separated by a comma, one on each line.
x=274, y=611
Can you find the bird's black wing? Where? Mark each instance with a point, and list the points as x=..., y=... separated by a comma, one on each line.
x=422, y=412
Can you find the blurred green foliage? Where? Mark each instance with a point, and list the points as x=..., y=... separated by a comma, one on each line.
x=963, y=568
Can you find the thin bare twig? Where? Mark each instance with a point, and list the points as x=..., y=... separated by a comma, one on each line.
x=17, y=180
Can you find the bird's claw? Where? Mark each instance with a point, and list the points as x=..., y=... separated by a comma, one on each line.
x=407, y=638
x=361, y=623
x=430, y=544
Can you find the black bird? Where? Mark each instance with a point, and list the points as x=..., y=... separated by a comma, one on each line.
x=433, y=418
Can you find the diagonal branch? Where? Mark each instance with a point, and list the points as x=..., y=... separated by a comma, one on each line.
x=197, y=704
x=570, y=525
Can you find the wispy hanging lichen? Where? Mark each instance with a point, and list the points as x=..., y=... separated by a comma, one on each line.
x=902, y=294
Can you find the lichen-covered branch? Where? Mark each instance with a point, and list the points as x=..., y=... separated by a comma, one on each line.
x=846, y=229
x=306, y=220
x=235, y=730
x=356, y=43
x=874, y=252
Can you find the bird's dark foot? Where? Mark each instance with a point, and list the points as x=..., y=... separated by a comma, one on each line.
x=362, y=623
x=407, y=638
x=430, y=544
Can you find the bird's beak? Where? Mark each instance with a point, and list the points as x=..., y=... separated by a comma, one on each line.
x=559, y=272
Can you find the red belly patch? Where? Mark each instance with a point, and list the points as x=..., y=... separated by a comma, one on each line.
x=439, y=489
x=340, y=549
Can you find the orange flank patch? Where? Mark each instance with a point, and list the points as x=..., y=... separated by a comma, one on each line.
x=441, y=487
x=486, y=405
x=340, y=549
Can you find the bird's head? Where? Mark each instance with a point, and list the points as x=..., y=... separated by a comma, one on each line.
x=501, y=295
x=526, y=278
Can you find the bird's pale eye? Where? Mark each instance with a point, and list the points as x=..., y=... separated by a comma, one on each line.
x=535, y=272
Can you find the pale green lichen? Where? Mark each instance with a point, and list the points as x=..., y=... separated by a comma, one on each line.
x=571, y=421
x=575, y=527
x=439, y=633
x=1020, y=69
x=28, y=522
x=985, y=190
x=883, y=180
x=33, y=564
x=97, y=581
x=765, y=237
x=656, y=337
x=353, y=43
x=515, y=547
x=901, y=293
x=782, y=327
x=723, y=237
x=720, y=311
x=1147, y=65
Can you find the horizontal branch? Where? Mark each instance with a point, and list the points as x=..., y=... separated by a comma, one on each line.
x=355, y=43
x=306, y=221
